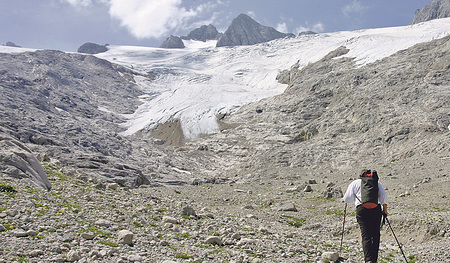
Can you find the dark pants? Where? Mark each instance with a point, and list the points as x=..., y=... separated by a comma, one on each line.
x=369, y=221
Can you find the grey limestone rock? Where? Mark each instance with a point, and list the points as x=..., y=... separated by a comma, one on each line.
x=246, y=31
x=92, y=48
x=434, y=10
x=173, y=42
x=203, y=33
x=19, y=161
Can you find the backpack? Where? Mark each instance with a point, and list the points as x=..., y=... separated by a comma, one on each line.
x=369, y=189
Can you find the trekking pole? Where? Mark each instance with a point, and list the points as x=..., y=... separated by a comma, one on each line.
x=343, y=225
x=398, y=243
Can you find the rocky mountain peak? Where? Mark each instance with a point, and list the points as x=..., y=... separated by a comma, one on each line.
x=203, y=33
x=172, y=42
x=244, y=30
x=434, y=10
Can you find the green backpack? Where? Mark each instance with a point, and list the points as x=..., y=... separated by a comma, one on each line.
x=369, y=189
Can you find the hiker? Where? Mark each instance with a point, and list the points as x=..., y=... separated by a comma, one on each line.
x=369, y=196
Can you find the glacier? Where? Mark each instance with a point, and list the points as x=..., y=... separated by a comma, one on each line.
x=196, y=84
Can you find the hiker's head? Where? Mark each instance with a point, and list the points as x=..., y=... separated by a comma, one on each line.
x=365, y=172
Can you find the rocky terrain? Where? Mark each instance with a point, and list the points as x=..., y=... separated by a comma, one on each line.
x=295, y=218
x=283, y=172
x=267, y=188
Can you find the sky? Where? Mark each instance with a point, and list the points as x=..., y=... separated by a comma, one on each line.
x=67, y=24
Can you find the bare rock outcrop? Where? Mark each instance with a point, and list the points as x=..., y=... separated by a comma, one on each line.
x=18, y=161
x=246, y=31
x=173, y=42
x=434, y=10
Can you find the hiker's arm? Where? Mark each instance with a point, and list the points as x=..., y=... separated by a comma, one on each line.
x=385, y=209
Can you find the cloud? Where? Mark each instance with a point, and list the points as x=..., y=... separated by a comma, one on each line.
x=317, y=27
x=79, y=3
x=354, y=8
x=282, y=27
x=150, y=18
x=154, y=18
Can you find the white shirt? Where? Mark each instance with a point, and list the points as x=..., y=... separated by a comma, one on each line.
x=354, y=189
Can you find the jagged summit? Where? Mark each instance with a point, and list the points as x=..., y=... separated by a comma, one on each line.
x=203, y=33
x=246, y=31
x=434, y=10
x=172, y=42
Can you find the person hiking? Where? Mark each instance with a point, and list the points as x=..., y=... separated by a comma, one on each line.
x=369, y=196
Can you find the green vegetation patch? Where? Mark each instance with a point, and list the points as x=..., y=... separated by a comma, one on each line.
x=7, y=188
x=294, y=221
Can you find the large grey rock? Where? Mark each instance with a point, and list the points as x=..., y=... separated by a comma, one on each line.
x=173, y=42
x=18, y=161
x=11, y=44
x=246, y=31
x=434, y=10
x=203, y=33
x=92, y=48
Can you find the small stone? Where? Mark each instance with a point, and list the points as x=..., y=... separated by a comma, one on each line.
x=169, y=219
x=103, y=222
x=125, y=237
x=112, y=186
x=135, y=258
x=246, y=241
x=66, y=238
x=307, y=189
x=251, y=216
x=12, y=212
x=331, y=256
x=2, y=228
x=285, y=207
x=214, y=240
x=20, y=233
x=31, y=233
x=87, y=236
x=236, y=236
x=188, y=211
x=73, y=255
x=36, y=253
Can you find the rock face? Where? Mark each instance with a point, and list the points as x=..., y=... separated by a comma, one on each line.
x=337, y=115
x=92, y=48
x=434, y=10
x=17, y=160
x=173, y=42
x=68, y=107
x=246, y=31
x=203, y=33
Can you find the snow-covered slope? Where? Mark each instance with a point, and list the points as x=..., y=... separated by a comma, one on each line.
x=199, y=82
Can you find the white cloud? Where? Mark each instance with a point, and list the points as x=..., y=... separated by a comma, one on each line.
x=354, y=8
x=251, y=14
x=154, y=18
x=78, y=3
x=282, y=27
x=150, y=18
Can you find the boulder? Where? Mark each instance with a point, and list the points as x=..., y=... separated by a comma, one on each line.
x=18, y=161
x=92, y=48
x=125, y=237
